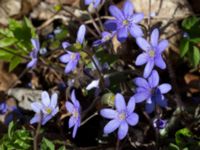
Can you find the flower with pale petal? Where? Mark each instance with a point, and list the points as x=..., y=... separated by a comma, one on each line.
x=152, y=55
x=125, y=21
x=149, y=90
x=121, y=118
x=46, y=109
x=74, y=109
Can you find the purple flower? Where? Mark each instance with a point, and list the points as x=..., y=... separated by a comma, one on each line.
x=106, y=36
x=159, y=123
x=125, y=21
x=34, y=53
x=75, y=109
x=152, y=54
x=152, y=92
x=3, y=108
x=122, y=117
x=95, y=3
x=72, y=58
x=45, y=109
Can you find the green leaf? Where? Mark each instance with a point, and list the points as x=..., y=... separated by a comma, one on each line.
x=62, y=148
x=48, y=144
x=173, y=146
x=10, y=130
x=14, y=63
x=196, y=56
x=7, y=42
x=5, y=55
x=184, y=47
x=188, y=23
x=181, y=136
x=195, y=40
x=108, y=99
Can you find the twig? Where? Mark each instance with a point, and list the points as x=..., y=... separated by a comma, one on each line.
x=81, y=22
x=94, y=24
x=35, y=145
x=99, y=19
x=90, y=117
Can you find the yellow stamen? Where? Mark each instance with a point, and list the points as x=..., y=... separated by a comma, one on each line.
x=125, y=22
x=151, y=53
x=48, y=110
x=122, y=116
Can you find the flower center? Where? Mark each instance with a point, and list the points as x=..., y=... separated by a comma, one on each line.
x=48, y=110
x=151, y=53
x=75, y=114
x=125, y=22
x=122, y=116
x=73, y=56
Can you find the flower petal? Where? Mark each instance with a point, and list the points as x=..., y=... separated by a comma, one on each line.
x=108, y=113
x=32, y=63
x=164, y=88
x=116, y=12
x=75, y=130
x=111, y=126
x=46, y=118
x=159, y=62
x=141, y=82
x=111, y=25
x=45, y=99
x=148, y=68
x=36, y=44
x=96, y=4
x=141, y=59
x=122, y=34
x=149, y=107
x=65, y=45
x=153, y=79
x=131, y=105
x=143, y=44
x=87, y=2
x=55, y=111
x=93, y=84
x=36, y=106
x=137, y=17
x=135, y=30
x=35, y=119
x=81, y=34
x=162, y=45
x=65, y=58
x=123, y=130
x=120, y=102
x=128, y=8
x=141, y=96
x=132, y=119
x=71, y=66
x=72, y=121
x=69, y=106
x=54, y=100
x=154, y=37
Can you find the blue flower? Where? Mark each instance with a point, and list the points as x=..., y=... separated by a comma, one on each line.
x=152, y=54
x=151, y=91
x=106, y=36
x=122, y=117
x=72, y=58
x=34, y=53
x=74, y=109
x=159, y=123
x=125, y=21
x=3, y=108
x=45, y=109
x=95, y=3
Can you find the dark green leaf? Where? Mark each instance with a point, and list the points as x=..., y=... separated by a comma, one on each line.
x=184, y=47
x=14, y=63
x=48, y=144
x=7, y=42
x=188, y=23
x=196, y=56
